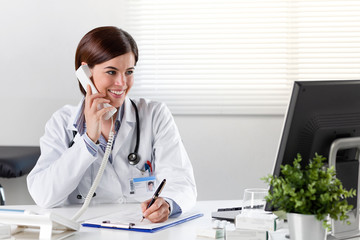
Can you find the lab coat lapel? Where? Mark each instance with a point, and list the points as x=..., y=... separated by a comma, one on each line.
x=74, y=115
x=128, y=123
x=70, y=125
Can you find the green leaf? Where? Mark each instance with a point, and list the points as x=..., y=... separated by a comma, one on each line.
x=313, y=189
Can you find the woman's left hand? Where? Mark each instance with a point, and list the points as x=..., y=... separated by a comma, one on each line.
x=158, y=212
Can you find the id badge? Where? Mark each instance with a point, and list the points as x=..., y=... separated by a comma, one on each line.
x=143, y=186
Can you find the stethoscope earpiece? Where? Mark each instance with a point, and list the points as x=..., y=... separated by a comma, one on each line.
x=133, y=159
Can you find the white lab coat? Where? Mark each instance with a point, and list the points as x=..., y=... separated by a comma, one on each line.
x=62, y=173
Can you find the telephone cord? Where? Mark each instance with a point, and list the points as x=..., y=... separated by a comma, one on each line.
x=98, y=175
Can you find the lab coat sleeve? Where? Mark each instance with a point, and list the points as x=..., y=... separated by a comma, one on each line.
x=59, y=168
x=172, y=161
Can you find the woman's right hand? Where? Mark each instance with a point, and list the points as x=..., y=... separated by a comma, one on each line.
x=94, y=116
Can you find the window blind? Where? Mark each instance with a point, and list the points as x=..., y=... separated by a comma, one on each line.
x=239, y=57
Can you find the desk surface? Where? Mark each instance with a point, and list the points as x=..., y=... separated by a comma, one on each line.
x=183, y=231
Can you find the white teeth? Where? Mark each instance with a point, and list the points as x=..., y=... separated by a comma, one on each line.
x=117, y=92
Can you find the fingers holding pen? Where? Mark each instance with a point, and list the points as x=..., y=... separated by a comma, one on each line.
x=144, y=205
x=158, y=212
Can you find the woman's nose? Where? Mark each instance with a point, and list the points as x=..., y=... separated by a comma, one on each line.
x=120, y=80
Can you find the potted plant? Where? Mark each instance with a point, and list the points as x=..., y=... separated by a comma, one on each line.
x=313, y=192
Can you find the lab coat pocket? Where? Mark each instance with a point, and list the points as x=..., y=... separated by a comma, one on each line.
x=80, y=193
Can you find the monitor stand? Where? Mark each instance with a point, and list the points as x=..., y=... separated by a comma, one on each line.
x=341, y=230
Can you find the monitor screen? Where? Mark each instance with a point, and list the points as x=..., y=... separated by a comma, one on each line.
x=318, y=113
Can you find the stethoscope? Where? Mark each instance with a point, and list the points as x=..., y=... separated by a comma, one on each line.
x=133, y=158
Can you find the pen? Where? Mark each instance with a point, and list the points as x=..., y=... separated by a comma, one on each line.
x=237, y=208
x=229, y=209
x=156, y=195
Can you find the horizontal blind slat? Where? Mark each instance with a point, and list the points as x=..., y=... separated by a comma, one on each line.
x=240, y=57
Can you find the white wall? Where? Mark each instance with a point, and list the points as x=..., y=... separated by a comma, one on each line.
x=230, y=153
x=37, y=45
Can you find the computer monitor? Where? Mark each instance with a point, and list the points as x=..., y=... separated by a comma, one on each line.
x=318, y=113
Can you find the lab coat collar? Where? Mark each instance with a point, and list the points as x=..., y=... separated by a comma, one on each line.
x=127, y=125
x=75, y=115
x=129, y=111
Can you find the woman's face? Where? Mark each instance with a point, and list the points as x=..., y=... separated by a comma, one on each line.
x=115, y=78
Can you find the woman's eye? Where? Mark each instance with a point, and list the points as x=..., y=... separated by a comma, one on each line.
x=111, y=72
x=129, y=72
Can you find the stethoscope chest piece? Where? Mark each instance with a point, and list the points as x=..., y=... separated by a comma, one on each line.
x=133, y=159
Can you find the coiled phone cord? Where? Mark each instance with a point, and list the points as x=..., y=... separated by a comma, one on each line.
x=98, y=175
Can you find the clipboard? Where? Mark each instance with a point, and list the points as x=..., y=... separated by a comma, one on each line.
x=129, y=220
x=133, y=227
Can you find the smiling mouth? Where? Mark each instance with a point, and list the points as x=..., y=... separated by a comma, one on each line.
x=119, y=93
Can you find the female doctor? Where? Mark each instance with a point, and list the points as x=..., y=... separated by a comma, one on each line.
x=75, y=139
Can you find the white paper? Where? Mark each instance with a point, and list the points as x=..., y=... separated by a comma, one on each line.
x=132, y=214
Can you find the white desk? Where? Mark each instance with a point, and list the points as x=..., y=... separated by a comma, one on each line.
x=183, y=231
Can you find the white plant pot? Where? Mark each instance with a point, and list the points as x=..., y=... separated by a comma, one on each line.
x=305, y=227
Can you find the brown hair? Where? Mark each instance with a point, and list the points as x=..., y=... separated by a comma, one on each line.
x=102, y=44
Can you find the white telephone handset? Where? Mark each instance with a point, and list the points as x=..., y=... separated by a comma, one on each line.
x=83, y=73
